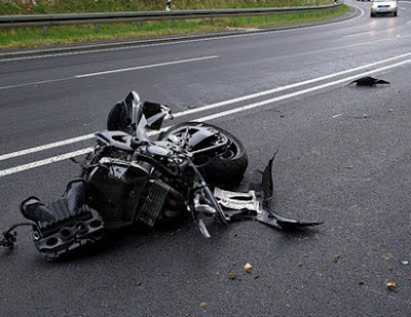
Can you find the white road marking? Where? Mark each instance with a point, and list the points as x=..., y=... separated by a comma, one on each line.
x=403, y=9
x=306, y=52
x=300, y=92
x=47, y=161
x=359, y=34
x=295, y=85
x=36, y=83
x=58, y=158
x=409, y=22
x=208, y=107
x=173, y=41
x=46, y=147
x=183, y=61
x=148, y=66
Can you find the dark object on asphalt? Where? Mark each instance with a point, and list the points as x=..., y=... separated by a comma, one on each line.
x=132, y=179
x=369, y=82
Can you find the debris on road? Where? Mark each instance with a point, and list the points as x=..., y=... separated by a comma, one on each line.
x=336, y=257
x=404, y=262
x=391, y=285
x=248, y=268
x=232, y=276
x=203, y=304
x=388, y=256
x=369, y=82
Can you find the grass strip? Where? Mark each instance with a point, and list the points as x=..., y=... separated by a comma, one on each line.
x=11, y=7
x=57, y=35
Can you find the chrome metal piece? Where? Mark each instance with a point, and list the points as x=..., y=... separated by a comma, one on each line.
x=238, y=201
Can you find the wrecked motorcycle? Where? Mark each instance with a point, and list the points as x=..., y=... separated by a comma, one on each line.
x=130, y=178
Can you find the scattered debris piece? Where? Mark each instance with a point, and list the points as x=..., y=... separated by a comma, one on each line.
x=349, y=167
x=361, y=282
x=248, y=268
x=404, y=262
x=391, y=285
x=369, y=82
x=388, y=256
x=365, y=116
x=390, y=110
x=203, y=304
x=301, y=263
x=337, y=115
x=232, y=276
x=336, y=257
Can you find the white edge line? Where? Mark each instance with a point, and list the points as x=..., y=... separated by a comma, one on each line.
x=62, y=157
x=204, y=108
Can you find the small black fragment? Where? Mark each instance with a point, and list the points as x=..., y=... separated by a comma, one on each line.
x=369, y=82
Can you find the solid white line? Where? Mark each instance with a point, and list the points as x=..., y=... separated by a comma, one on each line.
x=148, y=66
x=46, y=147
x=409, y=22
x=300, y=92
x=295, y=85
x=50, y=160
x=47, y=161
x=208, y=107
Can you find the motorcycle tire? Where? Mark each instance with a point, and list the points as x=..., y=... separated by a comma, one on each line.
x=225, y=169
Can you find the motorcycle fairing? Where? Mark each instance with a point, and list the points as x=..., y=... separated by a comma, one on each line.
x=256, y=203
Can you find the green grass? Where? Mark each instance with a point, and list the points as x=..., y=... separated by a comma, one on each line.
x=10, y=7
x=57, y=35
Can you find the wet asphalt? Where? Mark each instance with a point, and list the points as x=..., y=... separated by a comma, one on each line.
x=344, y=158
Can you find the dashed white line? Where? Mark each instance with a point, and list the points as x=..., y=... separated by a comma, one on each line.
x=58, y=158
x=36, y=83
x=148, y=66
x=183, y=61
x=359, y=34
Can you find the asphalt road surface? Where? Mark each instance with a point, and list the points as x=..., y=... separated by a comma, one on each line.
x=344, y=158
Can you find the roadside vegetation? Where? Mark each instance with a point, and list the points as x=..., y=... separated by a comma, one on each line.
x=10, y=7
x=58, y=35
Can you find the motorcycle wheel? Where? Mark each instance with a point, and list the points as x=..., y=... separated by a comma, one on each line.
x=225, y=168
